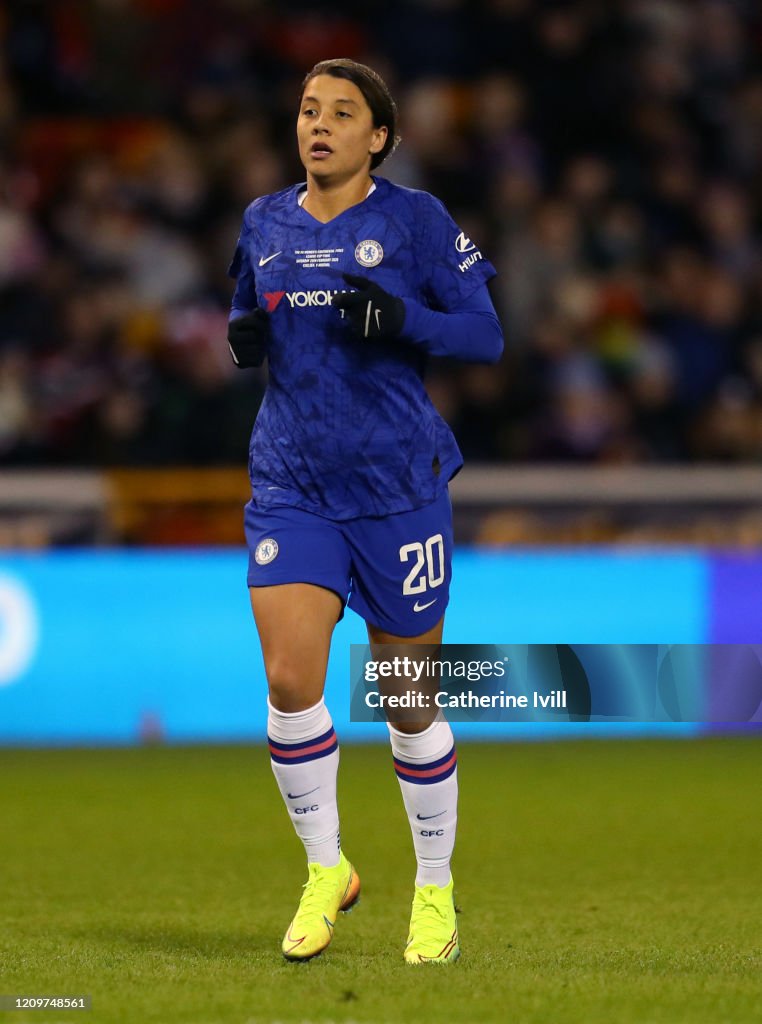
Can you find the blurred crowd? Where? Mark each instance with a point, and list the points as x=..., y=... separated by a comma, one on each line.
x=606, y=154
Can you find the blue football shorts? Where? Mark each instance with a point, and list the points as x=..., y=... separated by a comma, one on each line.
x=394, y=571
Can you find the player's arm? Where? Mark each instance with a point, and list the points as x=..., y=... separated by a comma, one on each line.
x=471, y=331
x=248, y=326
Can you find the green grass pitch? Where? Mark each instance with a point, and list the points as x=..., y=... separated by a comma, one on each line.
x=598, y=882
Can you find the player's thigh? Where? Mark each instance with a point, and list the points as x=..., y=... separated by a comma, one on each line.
x=298, y=577
x=295, y=622
x=432, y=636
x=402, y=567
x=423, y=684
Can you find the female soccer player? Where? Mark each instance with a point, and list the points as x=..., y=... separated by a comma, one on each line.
x=347, y=283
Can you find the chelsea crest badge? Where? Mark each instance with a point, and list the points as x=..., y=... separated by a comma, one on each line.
x=369, y=253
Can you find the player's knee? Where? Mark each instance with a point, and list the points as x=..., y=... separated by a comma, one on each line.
x=411, y=728
x=291, y=689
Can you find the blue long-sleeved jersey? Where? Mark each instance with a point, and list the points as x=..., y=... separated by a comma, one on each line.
x=346, y=428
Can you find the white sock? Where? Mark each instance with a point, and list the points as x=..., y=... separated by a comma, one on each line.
x=426, y=766
x=304, y=754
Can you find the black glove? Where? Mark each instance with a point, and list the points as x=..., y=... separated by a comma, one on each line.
x=248, y=337
x=372, y=312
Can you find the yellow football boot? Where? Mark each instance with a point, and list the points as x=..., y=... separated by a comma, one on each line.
x=433, y=937
x=326, y=892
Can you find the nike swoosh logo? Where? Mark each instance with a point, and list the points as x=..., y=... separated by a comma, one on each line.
x=428, y=817
x=298, y=796
x=294, y=942
x=266, y=259
x=422, y=607
x=378, y=319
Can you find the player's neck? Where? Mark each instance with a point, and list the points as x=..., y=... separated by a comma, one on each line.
x=326, y=200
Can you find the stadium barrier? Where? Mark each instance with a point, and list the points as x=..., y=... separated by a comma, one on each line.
x=493, y=505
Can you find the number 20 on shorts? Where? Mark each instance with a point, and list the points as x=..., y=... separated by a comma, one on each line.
x=429, y=555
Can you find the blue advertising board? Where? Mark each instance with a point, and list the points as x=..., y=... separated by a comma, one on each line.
x=119, y=647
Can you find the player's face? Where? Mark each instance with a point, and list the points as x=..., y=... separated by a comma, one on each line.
x=335, y=130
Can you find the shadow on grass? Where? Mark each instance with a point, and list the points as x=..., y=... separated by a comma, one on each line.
x=176, y=940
